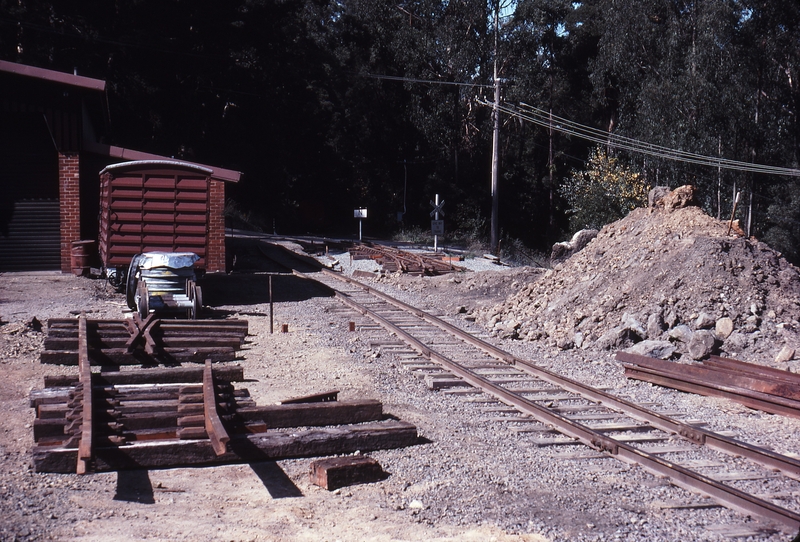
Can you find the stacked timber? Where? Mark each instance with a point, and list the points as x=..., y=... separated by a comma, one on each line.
x=144, y=342
x=179, y=417
x=393, y=260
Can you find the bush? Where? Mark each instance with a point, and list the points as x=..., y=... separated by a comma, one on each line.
x=603, y=192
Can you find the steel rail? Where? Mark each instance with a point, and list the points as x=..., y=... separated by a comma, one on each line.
x=681, y=476
x=698, y=435
x=212, y=423
x=85, y=374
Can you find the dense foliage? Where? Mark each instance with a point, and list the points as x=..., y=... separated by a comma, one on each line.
x=287, y=92
x=602, y=192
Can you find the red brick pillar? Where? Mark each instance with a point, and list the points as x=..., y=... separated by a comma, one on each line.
x=70, y=203
x=215, y=258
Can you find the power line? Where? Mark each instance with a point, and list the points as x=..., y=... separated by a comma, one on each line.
x=428, y=81
x=543, y=118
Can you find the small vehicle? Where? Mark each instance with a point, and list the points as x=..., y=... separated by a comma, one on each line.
x=164, y=282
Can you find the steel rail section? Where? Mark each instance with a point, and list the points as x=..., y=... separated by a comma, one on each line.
x=751, y=399
x=681, y=476
x=213, y=424
x=85, y=374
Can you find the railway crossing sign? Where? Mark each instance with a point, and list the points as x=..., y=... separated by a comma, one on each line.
x=437, y=208
x=437, y=227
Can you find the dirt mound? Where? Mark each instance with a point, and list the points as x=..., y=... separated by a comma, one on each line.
x=662, y=275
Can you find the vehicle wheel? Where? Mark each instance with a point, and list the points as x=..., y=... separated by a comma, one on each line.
x=131, y=281
x=197, y=302
x=144, y=300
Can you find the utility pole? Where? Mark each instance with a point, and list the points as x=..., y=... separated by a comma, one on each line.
x=495, y=233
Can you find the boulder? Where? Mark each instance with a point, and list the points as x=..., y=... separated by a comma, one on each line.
x=562, y=251
x=564, y=343
x=655, y=326
x=683, y=196
x=630, y=323
x=724, y=327
x=682, y=333
x=704, y=321
x=656, y=194
x=616, y=337
x=653, y=349
x=786, y=354
x=702, y=344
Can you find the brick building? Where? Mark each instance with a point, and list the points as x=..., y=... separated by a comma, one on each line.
x=50, y=161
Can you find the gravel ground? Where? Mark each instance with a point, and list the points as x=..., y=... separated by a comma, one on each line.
x=469, y=479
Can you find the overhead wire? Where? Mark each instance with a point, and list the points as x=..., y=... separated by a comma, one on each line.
x=544, y=118
x=428, y=81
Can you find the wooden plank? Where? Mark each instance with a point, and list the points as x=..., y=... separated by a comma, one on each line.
x=216, y=431
x=51, y=411
x=48, y=427
x=52, y=394
x=85, y=371
x=118, y=356
x=336, y=472
x=166, y=341
x=313, y=414
x=326, y=396
x=270, y=446
x=145, y=375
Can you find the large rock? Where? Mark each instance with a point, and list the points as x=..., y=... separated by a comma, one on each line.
x=683, y=196
x=616, y=337
x=724, y=327
x=657, y=194
x=786, y=354
x=562, y=251
x=704, y=321
x=682, y=333
x=702, y=344
x=630, y=323
x=655, y=326
x=653, y=349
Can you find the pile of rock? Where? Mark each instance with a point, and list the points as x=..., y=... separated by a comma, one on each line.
x=670, y=274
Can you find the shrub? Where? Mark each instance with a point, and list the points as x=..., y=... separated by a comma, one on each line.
x=605, y=191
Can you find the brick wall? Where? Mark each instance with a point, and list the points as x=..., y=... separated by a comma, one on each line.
x=215, y=259
x=70, y=204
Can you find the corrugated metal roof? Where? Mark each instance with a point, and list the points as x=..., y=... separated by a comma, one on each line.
x=139, y=163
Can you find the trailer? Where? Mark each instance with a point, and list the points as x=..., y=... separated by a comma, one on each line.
x=164, y=282
x=158, y=206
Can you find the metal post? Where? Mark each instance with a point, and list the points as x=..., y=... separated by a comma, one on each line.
x=495, y=227
x=359, y=229
x=436, y=217
x=270, y=304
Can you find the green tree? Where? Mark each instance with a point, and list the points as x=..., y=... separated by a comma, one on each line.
x=605, y=191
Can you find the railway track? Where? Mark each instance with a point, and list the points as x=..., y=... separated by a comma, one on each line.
x=559, y=411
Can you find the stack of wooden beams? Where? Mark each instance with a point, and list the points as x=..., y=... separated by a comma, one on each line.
x=144, y=342
x=165, y=418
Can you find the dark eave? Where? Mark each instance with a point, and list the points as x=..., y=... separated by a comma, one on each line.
x=49, y=75
x=218, y=173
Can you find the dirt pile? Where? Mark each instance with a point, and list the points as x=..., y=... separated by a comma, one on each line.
x=669, y=275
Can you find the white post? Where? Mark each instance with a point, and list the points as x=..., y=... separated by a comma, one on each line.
x=359, y=229
x=436, y=217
